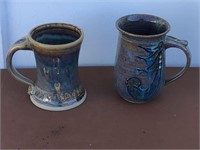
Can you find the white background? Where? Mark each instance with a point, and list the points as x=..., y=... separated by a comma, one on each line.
x=97, y=19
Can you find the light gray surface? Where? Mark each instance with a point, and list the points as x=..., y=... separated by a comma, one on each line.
x=97, y=19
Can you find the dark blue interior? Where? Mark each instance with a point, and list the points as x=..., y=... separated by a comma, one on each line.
x=55, y=36
x=143, y=24
x=142, y=27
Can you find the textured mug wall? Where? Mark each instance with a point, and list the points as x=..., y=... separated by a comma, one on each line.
x=97, y=19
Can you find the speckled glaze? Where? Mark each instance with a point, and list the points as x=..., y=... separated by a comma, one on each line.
x=140, y=61
x=56, y=47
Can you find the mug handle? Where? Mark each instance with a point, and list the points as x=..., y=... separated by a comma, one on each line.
x=182, y=45
x=22, y=44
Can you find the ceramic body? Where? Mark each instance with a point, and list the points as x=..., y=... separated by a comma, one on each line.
x=140, y=61
x=56, y=48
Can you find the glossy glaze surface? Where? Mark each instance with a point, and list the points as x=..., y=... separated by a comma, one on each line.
x=56, y=47
x=140, y=60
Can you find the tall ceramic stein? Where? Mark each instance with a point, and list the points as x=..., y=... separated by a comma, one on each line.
x=140, y=61
x=56, y=47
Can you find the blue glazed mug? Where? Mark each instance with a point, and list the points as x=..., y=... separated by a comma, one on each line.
x=56, y=47
x=140, y=61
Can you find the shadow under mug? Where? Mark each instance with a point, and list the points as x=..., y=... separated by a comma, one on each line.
x=140, y=61
x=56, y=47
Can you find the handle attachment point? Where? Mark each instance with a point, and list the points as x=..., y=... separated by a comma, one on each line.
x=182, y=45
x=22, y=44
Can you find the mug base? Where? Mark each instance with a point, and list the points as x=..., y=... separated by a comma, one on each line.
x=136, y=102
x=62, y=108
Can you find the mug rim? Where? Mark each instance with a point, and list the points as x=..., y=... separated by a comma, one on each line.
x=57, y=47
x=142, y=36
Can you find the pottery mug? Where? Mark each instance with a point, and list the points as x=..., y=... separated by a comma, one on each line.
x=140, y=61
x=56, y=48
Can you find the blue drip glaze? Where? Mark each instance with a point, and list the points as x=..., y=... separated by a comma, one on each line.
x=134, y=85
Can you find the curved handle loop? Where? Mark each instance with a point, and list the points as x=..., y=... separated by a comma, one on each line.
x=21, y=44
x=182, y=45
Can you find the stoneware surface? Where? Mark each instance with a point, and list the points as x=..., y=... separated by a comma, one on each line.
x=56, y=47
x=140, y=60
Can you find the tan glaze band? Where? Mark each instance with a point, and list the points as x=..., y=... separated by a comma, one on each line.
x=51, y=49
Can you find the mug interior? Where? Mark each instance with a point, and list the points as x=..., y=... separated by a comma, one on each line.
x=55, y=34
x=144, y=25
